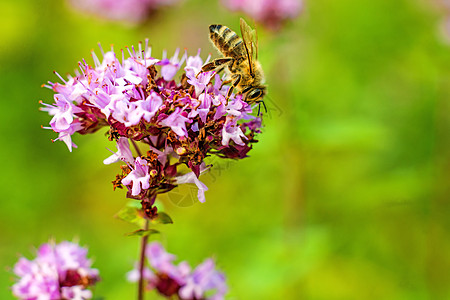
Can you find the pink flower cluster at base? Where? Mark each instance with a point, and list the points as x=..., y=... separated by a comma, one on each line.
x=204, y=282
x=271, y=13
x=59, y=271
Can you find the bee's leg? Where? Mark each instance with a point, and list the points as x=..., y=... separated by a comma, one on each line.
x=220, y=69
x=208, y=67
x=219, y=62
x=235, y=78
x=222, y=62
x=225, y=82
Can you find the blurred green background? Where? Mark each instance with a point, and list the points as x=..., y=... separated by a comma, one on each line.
x=346, y=196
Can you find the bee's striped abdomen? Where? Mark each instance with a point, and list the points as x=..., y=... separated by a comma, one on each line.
x=226, y=41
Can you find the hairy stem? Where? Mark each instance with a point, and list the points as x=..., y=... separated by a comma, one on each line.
x=141, y=263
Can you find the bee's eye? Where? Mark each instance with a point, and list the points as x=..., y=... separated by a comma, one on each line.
x=255, y=94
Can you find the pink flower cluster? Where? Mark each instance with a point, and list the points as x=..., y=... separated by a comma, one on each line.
x=58, y=272
x=271, y=13
x=170, y=279
x=131, y=11
x=177, y=123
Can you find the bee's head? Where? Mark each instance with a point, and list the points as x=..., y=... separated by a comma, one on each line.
x=255, y=94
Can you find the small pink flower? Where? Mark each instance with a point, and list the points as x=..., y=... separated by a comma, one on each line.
x=201, y=81
x=139, y=177
x=170, y=279
x=203, y=107
x=63, y=113
x=177, y=122
x=123, y=152
x=75, y=292
x=194, y=65
x=192, y=178
x=169, y=67
x=148, y=275
x=66, y=135
x=238, y=108
x=145, y=109
x=204, y=278
x=58, y=271
x=231, y=131
x=123, y=112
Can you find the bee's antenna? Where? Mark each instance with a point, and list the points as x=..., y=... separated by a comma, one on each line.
x=273, y=106
x=259, y=107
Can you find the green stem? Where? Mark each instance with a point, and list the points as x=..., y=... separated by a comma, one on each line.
x=142, y=263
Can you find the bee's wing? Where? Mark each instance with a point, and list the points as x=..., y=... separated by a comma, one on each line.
x=255, y=44
x=250, y=42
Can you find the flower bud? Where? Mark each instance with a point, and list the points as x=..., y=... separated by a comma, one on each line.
x=181, y=151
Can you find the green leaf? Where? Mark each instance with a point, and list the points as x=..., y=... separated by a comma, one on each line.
x=135, y=204
x=163, y=218
x=142, y=232
x=131, y=215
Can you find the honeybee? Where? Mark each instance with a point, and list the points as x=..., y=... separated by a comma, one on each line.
x=240, y=60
